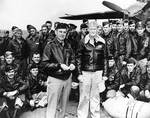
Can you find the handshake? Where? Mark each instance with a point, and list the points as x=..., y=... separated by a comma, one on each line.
x=65, y=67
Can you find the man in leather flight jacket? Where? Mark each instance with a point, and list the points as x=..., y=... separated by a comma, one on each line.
x=122, y=45
x=91, y=64
x=58, y=61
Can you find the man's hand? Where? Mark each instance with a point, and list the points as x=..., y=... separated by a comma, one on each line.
x=121, y=86
x=32, y=103
x=64, y=67
x=124, y=62
x=72, y=67
x=105, y=78
x=147, y=93
x=101, y=86
x=45, y=83
x=146, y=43
x=80, y=78
x=12, y=93
x=5, y=94
x=74, y=85
x=2, y=57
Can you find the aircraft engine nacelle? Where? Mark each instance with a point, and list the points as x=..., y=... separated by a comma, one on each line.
x=120, y=107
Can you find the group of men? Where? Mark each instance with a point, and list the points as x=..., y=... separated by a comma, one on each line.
x=104, y=61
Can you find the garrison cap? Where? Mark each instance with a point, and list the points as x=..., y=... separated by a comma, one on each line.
x=119, y=22
x=13, y=27
x=9, y=68
x=62, y=26
x=131, y=22
x=131, y=60
x=33, y=66
x=105, y=23
x=72, y=26
x=147, y=22
x=110, y=57
x=83, y=25
x=29, y=27
x=140, y=24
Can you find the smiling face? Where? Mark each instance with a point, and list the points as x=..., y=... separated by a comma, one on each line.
x=148, y=27
x=142, y=64
x=49, y=25
x=120, y=27
x=14, y=31
x=36, y=58
x=130, y=67
x=111, y=62
x=9, y=59
x=126, y=26
x=114, y=27
x=99, y=29
x=33, y=32
x=148, y=69
x=140, y=30
x=107, y=29
x=92, y=31
x=34, y=71
x=84, y=31
x=18, y=34
x=61, y=34
x=44, y=30
x=10, y=74
x=132, y=27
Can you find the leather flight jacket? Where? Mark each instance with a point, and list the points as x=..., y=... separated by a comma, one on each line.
x=110, y=44
x=56, y=54
x=122, y=44
x=92, y=57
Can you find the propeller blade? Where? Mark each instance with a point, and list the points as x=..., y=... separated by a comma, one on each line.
x=146, y=6
x=112, y=6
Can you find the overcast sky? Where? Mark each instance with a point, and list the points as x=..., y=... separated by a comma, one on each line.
x=36, y=12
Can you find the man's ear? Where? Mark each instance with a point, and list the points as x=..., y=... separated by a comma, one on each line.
x=32, y=58
x=30, y=70
x=135, y=65
x=56, y=31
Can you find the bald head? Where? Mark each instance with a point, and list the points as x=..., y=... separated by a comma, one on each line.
x=93, y=26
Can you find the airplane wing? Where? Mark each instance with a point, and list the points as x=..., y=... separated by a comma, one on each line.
x=98, y=15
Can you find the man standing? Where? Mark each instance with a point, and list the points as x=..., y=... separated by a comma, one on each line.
x=122, y=45
x=107, y=35
x=126, y=25
x=50, y=31
x=92, y=65
x=14, y=29
x=32, y=41
x=133, y=39
x=83, y=32
x=44, y=38
x=58, y=61
x=20, y=49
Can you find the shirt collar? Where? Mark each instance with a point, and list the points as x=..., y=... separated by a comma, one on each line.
x=97, y=39
x=59, y=42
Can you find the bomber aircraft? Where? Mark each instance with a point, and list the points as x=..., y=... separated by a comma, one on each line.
x=137, y=11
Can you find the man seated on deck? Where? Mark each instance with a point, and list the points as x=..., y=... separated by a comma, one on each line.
x=129, y=78
x=12, y=91
x=36, y=94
